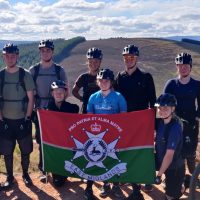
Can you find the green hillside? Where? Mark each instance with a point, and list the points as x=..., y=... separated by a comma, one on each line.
x=29, y=53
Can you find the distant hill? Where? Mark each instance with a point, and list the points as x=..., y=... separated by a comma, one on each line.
x=156, y=56
x=3, y=42
x=179, y=38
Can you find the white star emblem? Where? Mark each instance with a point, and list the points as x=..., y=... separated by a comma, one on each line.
x=95, y=150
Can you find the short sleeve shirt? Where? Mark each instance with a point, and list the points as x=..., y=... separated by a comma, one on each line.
x=171, y=140
x=89, y=85
x=113, y=103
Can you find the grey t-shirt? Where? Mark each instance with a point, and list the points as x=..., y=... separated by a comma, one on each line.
x=12, y=91
x=43, y=83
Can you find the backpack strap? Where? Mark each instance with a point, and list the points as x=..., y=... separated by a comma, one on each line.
x=36, y=71
x=2, y=80
x=57, y=69
x=21, y=78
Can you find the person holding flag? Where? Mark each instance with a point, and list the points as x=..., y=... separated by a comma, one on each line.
x=59, y=91
x=44, y=73
x=138, y=89
x=168, y=146
x=105, y=101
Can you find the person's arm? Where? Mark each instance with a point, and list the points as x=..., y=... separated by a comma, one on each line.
x=1, y=116
x=30, y=95
x=198, y=102
x=151, y=90
x=75, y=92
x=166, y=162
x=122, y=104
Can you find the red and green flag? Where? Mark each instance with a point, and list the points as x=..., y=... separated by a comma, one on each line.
x=114, y=148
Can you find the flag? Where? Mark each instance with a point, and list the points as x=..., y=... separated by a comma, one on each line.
x=114, y=148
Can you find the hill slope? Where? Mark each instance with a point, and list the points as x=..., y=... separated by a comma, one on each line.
x=156, y=56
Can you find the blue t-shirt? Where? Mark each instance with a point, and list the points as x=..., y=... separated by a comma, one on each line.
x=113, y=103
x=169, y=137
x=187, y=95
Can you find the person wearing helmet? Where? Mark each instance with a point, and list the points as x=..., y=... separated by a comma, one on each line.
x=138, y=89
x=44, y=73
x=168, y=146
x=16, y=93
x=187, y=92
x=59, y=91
x=105, y=101
x=87, y=81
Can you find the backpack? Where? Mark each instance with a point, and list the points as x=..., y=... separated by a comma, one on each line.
x=20, y=83
x=35, y=76
x=37, y=69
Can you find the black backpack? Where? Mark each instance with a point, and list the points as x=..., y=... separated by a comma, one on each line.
x=20, y=83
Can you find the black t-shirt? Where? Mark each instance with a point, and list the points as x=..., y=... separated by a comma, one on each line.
x=89, y=85
x=65, y=107
x=137, y=88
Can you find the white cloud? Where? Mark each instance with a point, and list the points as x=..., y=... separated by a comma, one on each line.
x=4, y=5
x=98, y=19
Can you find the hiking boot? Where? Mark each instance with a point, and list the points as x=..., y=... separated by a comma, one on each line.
x=9, y=182
x=89, y=194
x=59, y=181
x=105, y=190
x=135, y=195
x=117, y=192
x=27, y=180
x=148, y=188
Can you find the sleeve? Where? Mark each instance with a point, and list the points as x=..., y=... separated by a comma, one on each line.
x=90, y=105
x=174, y=136
x=122, y=103
x=151, y=91
x=76, y=108
x=31, y=70
x=28, y=80
x=63, y=75
x=79, y=81
x=116, y=85
x=168, y=87
x=198, y=99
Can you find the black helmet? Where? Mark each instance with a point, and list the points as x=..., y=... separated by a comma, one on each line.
x=166, y=99
x=46, y=43
x=105, y=74
x=183, y=58
x=10, y=48
x=58, y=84
x=131, y=49
x=94, y=53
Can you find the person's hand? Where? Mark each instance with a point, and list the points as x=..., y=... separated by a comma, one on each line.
x=28, y=122
x=158, y=180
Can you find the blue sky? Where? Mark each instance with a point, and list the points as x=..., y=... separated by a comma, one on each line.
x=38, y=19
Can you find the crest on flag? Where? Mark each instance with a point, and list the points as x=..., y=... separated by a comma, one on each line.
x=95, y=150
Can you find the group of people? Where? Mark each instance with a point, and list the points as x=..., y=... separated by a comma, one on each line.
x=45, y=86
